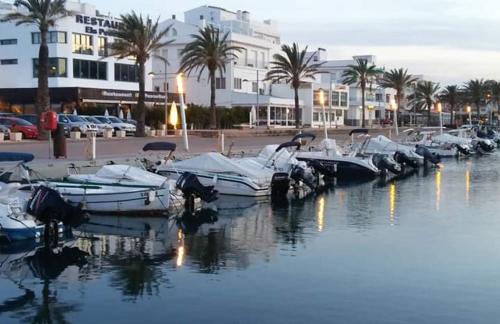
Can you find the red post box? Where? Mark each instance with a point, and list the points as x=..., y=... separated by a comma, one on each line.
x=49, y=121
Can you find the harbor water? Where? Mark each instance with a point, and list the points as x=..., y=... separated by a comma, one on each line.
x=424, y=249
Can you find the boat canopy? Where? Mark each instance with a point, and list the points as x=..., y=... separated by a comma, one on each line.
x=116, y=173
x=159, y=146
x=304, y=135
x=16, y=157
x=359, y=131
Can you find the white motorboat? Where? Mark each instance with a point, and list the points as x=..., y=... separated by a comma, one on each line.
x=329, y=160
x=227, y=176
x=279, y=159
x=403, y=154
x=121, y=189
x=424, y=139
x=465, y=140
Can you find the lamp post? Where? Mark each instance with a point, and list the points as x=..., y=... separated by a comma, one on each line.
x=258, y=97
x=180, y=90
x=322, y=102
x=439, y=108
x=330, y=94
x=469, y=111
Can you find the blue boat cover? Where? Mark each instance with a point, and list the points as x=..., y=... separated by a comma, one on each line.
x=160, y=146
x=15, y=157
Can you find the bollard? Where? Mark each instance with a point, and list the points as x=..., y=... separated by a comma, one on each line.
x=16, y=137
x=90, y=148
x=222, y=143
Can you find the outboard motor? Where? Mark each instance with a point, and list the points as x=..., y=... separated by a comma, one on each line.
x=299, y=174
x=280, y=185
x=403, y=159
x=428, y=155
x=48, y=206
x=485, y=146
x=464, y=149
x=191, y=187
x=385, y=163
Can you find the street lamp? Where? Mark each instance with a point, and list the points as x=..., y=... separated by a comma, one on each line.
x=322, y=103
x=180, y=90
x=258, y=97
x=439, y=109
x=469, y=111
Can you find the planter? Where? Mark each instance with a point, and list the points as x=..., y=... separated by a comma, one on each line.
x=121, y=134
x=75, y=135
x=108, y=133
x=160, y=133
x=2, y=137
x=151, y=133
x=16, y=137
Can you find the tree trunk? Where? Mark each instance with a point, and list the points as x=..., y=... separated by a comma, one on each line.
x=452, y=115
x=141, y=105
x=42, y=94
x=297, y=108
x=429, y=115
x=363, y=88
x=213, y=123
x=478, y=110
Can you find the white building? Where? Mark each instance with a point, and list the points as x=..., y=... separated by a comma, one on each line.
x=243, y=83
x=80, y=72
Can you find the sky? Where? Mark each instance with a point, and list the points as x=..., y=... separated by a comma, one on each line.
x=447, y=41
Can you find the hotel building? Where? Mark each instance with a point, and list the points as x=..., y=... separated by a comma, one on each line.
x=80, y=73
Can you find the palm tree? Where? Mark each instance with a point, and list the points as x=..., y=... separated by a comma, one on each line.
x=425, y=97
x=494, y=94
x=399, y=80
x=292, y=68
x=362, y=74
x=475, y=91
x=138, y=38
x=452, y=96
x=43, y=14
x=209, y=50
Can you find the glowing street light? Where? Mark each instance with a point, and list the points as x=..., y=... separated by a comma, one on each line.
x=439, y=109
x=469, y=111
x=173, y=117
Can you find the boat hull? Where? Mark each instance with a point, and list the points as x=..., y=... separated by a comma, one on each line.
x=341, y=169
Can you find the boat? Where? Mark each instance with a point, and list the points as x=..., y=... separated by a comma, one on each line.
x=279, y=159
x=227, y=176
x=124, y=189
x=423, y=138
x=329, y=160
x=464, y=138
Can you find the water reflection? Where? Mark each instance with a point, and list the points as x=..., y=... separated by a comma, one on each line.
x=437, y=184
x=320, y=213
x=392, y=203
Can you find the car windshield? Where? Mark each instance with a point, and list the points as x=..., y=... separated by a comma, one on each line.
x=21, y=122
x=93, y=120
x=102, y=119
x=76, y=119
x=114, y=119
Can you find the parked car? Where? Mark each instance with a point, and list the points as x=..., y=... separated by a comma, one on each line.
x=134, y=122
x=102, y=126
x=77, y=123
x=20, y=125
x=117, y=124
x=5, y=130
x=32, y=118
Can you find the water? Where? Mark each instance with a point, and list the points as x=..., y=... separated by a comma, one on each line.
x=420, y=250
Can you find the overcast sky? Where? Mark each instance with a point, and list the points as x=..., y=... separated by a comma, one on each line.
x=448, y=41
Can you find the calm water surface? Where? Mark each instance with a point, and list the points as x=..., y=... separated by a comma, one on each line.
x=425, y=249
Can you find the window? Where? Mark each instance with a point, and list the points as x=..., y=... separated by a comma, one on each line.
x=8, y=62
x=220, y=83
x=57, y=67
x=90, y=70
x=102, y=46
x=53, y=37
x=12, y=41
x=379, y=97
x=315, y=117
x=254, y=87
x=388, y=98
x=343, y=99
x=335, y=98
x=82, y=44
x=237, y=83
x=126, y=73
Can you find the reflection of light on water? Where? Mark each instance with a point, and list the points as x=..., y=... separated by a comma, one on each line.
x=320, y=213
x=467, y=185
x=438, y=188
x=180, y=249
x=392, y=202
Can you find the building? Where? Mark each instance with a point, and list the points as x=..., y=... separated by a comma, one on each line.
x=81, y=74
x=243, y=83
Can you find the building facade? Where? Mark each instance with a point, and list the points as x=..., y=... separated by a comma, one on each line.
x=80, y=71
